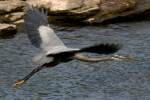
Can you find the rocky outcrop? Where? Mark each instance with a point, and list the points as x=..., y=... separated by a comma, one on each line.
x=11, y=6
x=92, y=11
x=85, y=10
x=11, y=12
x=88, y=11
x=110, y=9
x=11, y=17
x=141, y=7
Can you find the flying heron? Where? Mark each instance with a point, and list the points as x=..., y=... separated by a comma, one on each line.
x=53, y=50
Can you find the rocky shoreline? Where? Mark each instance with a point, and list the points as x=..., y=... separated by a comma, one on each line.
x=87, y=11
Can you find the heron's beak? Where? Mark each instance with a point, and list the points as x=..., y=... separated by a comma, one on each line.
x=124, y=58
x=18, y=83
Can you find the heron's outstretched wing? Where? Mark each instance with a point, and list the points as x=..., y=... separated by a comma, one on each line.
x=102, y=48
x=38, y=30
x=99, y=49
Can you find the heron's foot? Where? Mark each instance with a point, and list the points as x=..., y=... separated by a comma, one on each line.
x=18, y=83
x=120, y=58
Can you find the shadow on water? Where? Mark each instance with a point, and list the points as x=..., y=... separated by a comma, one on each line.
x=8, y=35
x=79, y=80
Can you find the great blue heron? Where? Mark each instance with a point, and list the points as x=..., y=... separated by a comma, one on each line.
x=53, y=50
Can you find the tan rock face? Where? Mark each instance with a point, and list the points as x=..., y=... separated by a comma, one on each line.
x=57, y=5
x=10, y=12
x=10, y=6
x=89, y=11
x=111, y=8
x=12, y=17
x=92, y=3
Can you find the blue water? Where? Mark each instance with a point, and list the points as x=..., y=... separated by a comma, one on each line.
x=76, y=80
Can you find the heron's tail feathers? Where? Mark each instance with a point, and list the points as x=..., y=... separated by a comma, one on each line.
x=102, y=48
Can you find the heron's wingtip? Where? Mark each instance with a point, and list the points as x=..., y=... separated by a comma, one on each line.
x=37, y=8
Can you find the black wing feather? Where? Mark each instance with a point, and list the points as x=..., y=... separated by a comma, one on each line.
x=102, y=48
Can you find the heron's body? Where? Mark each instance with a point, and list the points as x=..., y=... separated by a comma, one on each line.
x=53, y=50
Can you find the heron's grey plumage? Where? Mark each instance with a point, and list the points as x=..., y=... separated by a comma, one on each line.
x=54, y=50
x=33, y=19
x=41, y=35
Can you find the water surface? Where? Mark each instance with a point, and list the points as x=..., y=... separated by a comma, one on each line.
x=80, y=80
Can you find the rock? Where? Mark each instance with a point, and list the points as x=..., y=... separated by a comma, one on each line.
x=141, y=7
x=11, y=17
x=57, y=5
x=61, y=9
x=88, y=11
x=7, y=29
x=111, y=9
x=19, y=22
x=11, y=12
x=91, y=11
x=11, y=6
